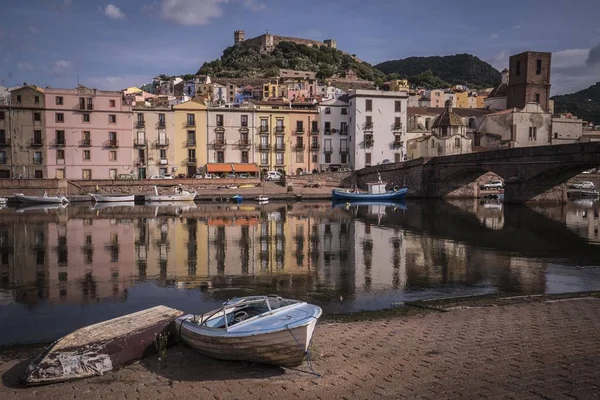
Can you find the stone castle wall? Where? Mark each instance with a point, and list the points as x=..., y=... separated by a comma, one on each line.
x=268, y=42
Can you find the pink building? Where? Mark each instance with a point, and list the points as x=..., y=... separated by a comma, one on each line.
x=89, y=134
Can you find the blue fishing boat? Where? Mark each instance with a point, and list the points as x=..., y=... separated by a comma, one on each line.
x=396, y=205
x=237, y=199
x=376, y=191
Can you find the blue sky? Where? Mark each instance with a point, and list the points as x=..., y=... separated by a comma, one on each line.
x=117, y=43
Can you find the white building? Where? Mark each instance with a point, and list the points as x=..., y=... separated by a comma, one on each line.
x=333, y=117
x=377, y=127
x=497, y=98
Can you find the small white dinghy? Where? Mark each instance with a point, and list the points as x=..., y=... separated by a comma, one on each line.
x=41, y=199
x=118, y=198
x=262, y=199
x=180, y=195
x=265, y=329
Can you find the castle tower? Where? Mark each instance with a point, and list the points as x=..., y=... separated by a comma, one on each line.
x=330, y=43
x=238, y=37
x=529, y=79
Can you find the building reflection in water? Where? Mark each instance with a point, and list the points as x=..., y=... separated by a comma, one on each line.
x=306, y=250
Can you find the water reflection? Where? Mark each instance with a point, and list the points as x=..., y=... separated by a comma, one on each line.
x=88, y=263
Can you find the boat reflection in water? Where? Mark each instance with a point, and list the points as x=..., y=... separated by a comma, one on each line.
x=65, y=268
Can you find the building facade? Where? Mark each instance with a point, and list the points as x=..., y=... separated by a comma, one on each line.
x=305, y=145
x=6, y=157
x=231, y=135
x=333, y=129
x=190, y=137
x=529, y=80
x=377, y=127
x=153, y=142
x=274, y=136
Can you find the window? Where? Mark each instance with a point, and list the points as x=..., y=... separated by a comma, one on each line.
x=397, y=157
x=36, y=99
x=38, y=117
x=344, y=158
x=3, y=136
x=59, y=100
x=299, y=156
x=1, y=114
x=518, y=68
x=112, y=118
x=538, y=67
x=344, y=111
x=37, y=157
x=219, y=119
x=299, y=126
x=279, y=158
x=264, y=158
x=60, y=173
x=433, y=144
x=86, y=138
x=397, y=106
x=244, y=120
x=343, y=128
x=86, y=174
x=18, y=98
x=112, y=103
x=191, y=138
x=369, y=122
x=60, y=138
x=82, y=103
x=192, y=154
x=327, y=110
x=60, y=155
x=368, y=159
x=38, y=174
x=112, y=155
x=86, y=155
x=314, y=126
x=368, y=105
x=161, y=120
x=457, y=142
x=112, y=173
x=86, y=117
x=2, y=157
x=245, y=158
x=555, y=135
x=532, y=133
x=191, y=120
x=163, y=154
x=220, y=157
x=328, y=128
x=327, y=158
x=397, y=123
x=112, y=138
x=315, y=158
x=37, y=137
x=537, y=97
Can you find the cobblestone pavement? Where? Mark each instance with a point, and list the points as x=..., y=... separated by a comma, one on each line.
x=545, y=350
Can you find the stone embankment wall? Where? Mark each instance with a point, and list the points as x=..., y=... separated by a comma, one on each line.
x=332, y=179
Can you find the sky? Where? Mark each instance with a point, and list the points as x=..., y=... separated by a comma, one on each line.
x=119, y=43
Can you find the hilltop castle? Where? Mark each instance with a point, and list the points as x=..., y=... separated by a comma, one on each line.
x=267, y=42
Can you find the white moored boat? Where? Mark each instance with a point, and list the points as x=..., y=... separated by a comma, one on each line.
x=265, y=329
x=179, y=195
x=99, y=198
x=41, y=199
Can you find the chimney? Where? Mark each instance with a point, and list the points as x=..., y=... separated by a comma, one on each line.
x=449, y=105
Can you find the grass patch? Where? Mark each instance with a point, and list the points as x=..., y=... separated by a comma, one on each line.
x=375, y=314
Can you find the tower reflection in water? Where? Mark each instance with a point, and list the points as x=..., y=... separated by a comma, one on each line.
x=369, y=255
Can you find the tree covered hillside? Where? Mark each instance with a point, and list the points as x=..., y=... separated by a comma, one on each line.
x=585, y=104
x=246, y=61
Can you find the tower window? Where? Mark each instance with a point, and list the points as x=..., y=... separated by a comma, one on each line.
x=537, y=97
x=538, y=68
x=518, y=68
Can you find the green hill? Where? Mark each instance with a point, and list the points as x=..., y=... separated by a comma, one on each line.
x=585, y=104
x=459, y=69
x=247, y=61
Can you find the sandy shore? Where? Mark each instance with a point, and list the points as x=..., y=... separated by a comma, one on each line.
x=538, y=348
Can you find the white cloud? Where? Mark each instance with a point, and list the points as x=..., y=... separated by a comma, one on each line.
x=199, y=12
x=24, y=66
x=113, y=12
x=569, y=58
x=494, y=36
x=61, y=68
x=33, y=30
x=117, y=82
x=572, y=71
x=517, y=27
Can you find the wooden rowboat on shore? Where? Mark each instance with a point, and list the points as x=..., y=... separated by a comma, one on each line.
x=102, y=347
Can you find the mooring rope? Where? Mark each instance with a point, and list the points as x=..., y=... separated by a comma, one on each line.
x=306, y=352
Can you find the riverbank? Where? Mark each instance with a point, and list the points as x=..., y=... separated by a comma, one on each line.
x=497, y=346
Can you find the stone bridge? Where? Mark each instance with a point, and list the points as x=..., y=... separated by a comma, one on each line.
x=529, y=173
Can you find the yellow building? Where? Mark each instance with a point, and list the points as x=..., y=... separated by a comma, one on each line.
x=462, y=99
x=399, y=85
x=190, y=137
x=304, y=141
x=274, y=133
x=271, y=90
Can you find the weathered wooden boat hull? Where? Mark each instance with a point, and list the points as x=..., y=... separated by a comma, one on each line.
x=341, y=195
x=40, y=199
x=170, y=197
x=112, y=199
x=102, y=347
x=285, y=348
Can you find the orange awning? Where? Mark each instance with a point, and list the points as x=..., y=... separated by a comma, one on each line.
x=238, y=168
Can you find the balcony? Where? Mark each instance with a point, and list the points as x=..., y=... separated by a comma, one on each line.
x=162, y=142
x=161, y=125
x=191, y=161
x=140, y=161
x=244, y=128
x=280, y=147
x=190, y=143
x=163, y=162
x=220, y=128
x=344, y=132
x=368, y=126
x=140, y=124
x=327, y=132
x=328, y=150
x=397, y=143
x=264, y=146
x=280, y=130
x=344, y=150
x=369, y=142
x=59, y=143
x=299, y=131
x=397, y=127
x=4, y=142
x=219, y=143
x=263, y=129
x=314, y=131
x=140, y=142
x=3, y=160
x=315, y=146
x=190, y=123
x=85, y=143
x=111, y=144
x=244, y=143
x=38, y=160
x=279, y=163
x=85, y=107
x=299, y=147
x=37, y=142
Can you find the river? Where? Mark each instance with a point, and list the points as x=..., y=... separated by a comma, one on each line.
x=67, y=267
